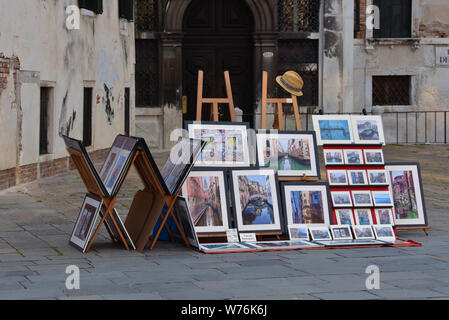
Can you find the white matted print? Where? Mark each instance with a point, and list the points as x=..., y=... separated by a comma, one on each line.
x=374, y=156
x=333, y=129
x=353, y=156
x=382, y=199
x=384, y=216
x=292, y=154
x=357, y=177
x=255, y=200
x=333, y=157
x=300, y=232
x=344, y=217
x=368, y=129
x=227, y=144
x=408, y=197
x=384, y=232
x=362, y=198
x=342, y=232
x=363, y=217
x=306, y=204
x=337, y=177
x=82, y=232
x=341, y=198
x=320, y=233
x=363, y=232
x=377, y=177
x=205, y=192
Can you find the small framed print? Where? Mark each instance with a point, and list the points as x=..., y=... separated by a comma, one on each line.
x=333, y=129
x=300, y=232
x=384, y=232
x=374, y=156
x=382, y=199
x=341, y=199
x=362, y=198
x=341, y=232
x=185, y=220
x=357, y=177
x=363, y=232
x=320, y=233
x=377, y=177
x=110, y=225
x=333, y=157
x=344, y=217
x=353, y=156
x=368, y=129
x=337, y=177
x=363, y=217
x=85, y=224
x=384, y=216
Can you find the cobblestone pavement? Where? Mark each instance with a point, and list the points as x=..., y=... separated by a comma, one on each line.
x=36, y=220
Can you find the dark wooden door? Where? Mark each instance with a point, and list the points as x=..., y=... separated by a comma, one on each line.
x=218, y=37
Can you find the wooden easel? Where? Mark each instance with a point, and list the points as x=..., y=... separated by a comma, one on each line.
x=279, y=114
x=153, y=188
x=424, y=228
x=92, y=187
x=214, y=101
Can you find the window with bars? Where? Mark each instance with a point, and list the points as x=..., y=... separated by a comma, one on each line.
x=87, y=117
x=299, y=15
x=126, y=9
x=391, y=90
x=395, y=19
x=300, y=55
x=146, y=15
x=95, y=6
x=147, y=73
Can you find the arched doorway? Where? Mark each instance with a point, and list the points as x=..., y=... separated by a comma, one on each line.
x=218, y=36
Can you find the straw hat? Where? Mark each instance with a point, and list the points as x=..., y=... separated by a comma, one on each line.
x=291, y=82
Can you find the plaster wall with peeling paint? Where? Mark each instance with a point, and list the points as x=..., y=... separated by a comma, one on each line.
x=100, y=55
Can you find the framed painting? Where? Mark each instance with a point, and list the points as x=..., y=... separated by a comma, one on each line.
x=207, y=197
x=306, y=203
x=255, y=200
x=320, y=233
x=300, y=232
x=374, y=156
x=384, y=216
x=363, y=217
x=384, y=232
x=363, y=232
x=357, y=177
x=344, y=217
x=186, y=222
x=226, y=143
x=408, y=196
x=85, y=224
x=110, y=225
x=333, y=129
x=362, y=198
x=382, y=199
x=341, y=198
x=377, y=177
x=353, y=156
x=368, y=129
x=292, y=153
x=341, y=232
x=333, y=157
x=337, y=177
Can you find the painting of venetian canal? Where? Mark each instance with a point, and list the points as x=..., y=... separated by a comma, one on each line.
x=404, y=197
x=334, y=130
x=256, y=200
x=290, y=154
x=307, y=207
x=205, y=195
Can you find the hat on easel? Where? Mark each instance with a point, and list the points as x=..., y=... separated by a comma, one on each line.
x=291, y=82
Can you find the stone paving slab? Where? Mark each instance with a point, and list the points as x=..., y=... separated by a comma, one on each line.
x=37, y=220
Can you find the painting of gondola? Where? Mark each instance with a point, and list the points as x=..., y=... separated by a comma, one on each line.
x=334, y=129
x=353, y=156
x=206, y=196
x=293, y=154
x=255, y=200
x=368, y=129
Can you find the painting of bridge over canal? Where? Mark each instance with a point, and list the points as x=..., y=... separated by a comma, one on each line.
x=291, y=154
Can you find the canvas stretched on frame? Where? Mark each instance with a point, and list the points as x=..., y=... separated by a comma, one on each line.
x=195, y=198
x=333, y=129
x=414, y=214
x=305, y=152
